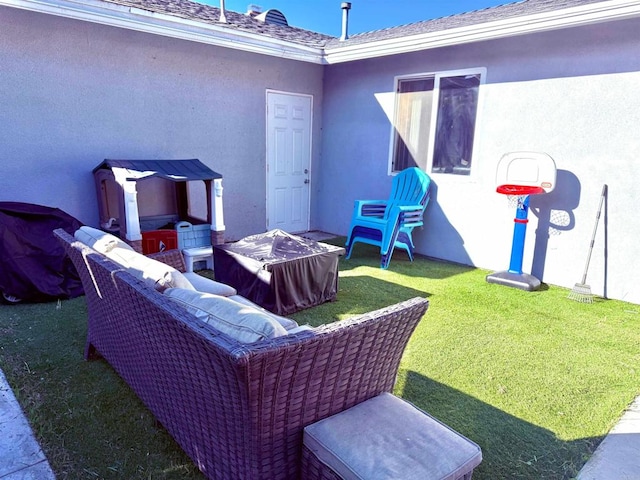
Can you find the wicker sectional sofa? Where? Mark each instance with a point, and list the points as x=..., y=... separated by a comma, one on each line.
x=237, y=409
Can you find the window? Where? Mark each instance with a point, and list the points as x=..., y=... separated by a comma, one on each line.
x=435, y=122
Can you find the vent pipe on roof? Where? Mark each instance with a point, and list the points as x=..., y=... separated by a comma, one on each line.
x=253, y=10
x=223, y=17
x=345, y=6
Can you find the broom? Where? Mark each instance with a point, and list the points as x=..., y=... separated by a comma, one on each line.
x=581, y=292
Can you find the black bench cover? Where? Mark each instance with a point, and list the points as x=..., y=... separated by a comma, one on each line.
x=33, y=264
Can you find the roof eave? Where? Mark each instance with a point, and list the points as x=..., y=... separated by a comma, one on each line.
x=170, y=26
x=554, y=20
x=141, y=20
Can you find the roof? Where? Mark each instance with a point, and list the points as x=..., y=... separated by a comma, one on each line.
x=198, y=22
x=175, y=170
x=490, y=14
x=503, y=21
x=239, y=21
x=235, y=21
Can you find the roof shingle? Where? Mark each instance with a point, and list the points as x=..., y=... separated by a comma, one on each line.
x=236, y=21
x=500, y=12
x=208, y=14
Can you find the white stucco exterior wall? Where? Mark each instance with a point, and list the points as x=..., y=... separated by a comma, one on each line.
x=571, y=94
x=73, y=93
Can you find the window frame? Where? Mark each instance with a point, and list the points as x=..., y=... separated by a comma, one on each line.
x=437, y=76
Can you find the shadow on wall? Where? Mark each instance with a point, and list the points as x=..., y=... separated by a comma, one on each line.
x=555, y=213
x=511, y=447
x=438, y=238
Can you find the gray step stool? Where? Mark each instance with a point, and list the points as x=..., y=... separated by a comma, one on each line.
x=195, y=254
x=386, y=438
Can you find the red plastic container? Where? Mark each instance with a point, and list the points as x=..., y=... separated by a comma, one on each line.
x=155, y=241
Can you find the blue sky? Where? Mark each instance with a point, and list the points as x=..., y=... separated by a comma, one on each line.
x=325, y=16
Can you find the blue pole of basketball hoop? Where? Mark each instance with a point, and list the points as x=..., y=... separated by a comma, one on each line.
x=520, y=175
x=514, y=277
x=519, y=231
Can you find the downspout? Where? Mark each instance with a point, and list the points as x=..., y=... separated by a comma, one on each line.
x=345, y=6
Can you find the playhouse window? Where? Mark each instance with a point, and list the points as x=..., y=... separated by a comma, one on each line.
x=435, y=121
x=197, y=200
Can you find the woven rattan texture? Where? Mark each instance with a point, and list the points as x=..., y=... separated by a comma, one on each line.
x=172, y=257
x=314, y=469
x=238, y=410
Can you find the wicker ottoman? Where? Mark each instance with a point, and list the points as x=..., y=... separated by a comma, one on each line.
x=386, y=438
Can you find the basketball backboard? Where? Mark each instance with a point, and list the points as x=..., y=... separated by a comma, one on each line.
x=528, y=169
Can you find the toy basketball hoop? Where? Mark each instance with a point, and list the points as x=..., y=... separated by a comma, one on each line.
x=520, y=175
x=516, y=194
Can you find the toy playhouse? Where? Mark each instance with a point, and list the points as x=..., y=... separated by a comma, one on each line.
x=162, y=204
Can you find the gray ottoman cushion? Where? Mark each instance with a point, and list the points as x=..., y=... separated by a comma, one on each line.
x=388, y=438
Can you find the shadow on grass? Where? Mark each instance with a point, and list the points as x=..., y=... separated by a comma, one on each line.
x=91, y=424
x=512, y=448
x=364, y=255
x=88, y=421
x=357, y=294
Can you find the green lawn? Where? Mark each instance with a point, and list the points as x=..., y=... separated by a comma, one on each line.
x=535, y=379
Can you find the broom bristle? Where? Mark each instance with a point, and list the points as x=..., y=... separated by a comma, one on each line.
x=581, y=293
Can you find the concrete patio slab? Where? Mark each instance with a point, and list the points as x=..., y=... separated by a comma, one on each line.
x=21, y=457
x=317, y=235
x=618, y=456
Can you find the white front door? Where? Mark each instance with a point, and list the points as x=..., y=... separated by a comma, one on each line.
x=288, y=161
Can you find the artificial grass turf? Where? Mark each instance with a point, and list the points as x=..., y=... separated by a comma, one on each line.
x=535, y=379
x=89, y=422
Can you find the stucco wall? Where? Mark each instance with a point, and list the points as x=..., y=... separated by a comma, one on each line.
x=573, y=95
x=74, y=93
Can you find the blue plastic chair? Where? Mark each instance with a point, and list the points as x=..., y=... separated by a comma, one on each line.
x=389, y=223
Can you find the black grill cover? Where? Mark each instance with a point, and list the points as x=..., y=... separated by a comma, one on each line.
x=33, y=264
x=281, y=272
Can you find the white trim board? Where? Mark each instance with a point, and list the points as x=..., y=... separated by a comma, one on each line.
x=176, y=27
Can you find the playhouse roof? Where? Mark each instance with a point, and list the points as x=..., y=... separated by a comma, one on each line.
x=175, y=170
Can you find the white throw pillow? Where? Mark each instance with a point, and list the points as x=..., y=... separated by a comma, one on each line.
x=101, y=242
x=157, y=274
x=206, y=285
x=242, y=322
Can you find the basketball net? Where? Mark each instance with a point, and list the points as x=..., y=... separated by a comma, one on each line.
x=517, y=194
x=515, y=201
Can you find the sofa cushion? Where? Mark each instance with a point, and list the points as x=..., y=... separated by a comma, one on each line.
x=386, y=437
x=242, y=322
x=101, y=242
x=157, y=274
x=206, y=285
x=287, y=323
